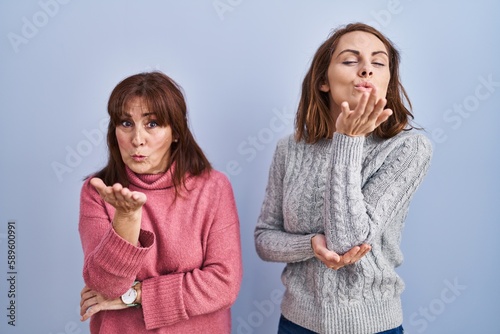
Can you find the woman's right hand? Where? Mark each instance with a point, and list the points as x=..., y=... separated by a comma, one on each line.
x=128, y=205
x=369, y=113
x=333, y=260
x=121, y=198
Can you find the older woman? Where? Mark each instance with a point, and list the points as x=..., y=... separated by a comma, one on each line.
x=339, y=190
x=159, y=227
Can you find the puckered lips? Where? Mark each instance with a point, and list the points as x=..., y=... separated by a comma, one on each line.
x=364, y=86
x=138, y=157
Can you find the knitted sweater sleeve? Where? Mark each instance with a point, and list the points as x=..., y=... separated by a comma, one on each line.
x=358, y=213
x=174, y=297
x=272, y=241
x=111, y=263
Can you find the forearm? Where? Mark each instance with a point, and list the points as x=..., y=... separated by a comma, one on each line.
x=345, y=219
x=280, y=246
x=272, y=242
x=112, y=264
x=128, y=225
x=357, y=211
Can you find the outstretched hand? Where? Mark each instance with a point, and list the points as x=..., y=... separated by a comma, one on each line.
x=128, y=205
x=366, y=117
x=122, y=199
x=333, y=260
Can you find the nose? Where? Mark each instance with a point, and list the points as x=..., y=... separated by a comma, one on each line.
x=366, y=71
x=138, y=137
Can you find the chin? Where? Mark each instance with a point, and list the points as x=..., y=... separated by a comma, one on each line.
x=137, y=169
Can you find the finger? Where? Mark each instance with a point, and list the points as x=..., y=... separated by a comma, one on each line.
x=383, y=116
x=342, y=118
x=98, y=184
x=117, y=189
x=139, y=197
x=88, y=293
x=361, y=107
x=332, y=257
x=123, y=196
x=350, y=255
x=86, y=296
x=133, y=197
x=344, y=107
x=130, y=197
x=93, y=300
x=88, y=303
x=378, y=108
x=82, y=311
x=372, y=101
x=362, y=254
x=365, y=248
x=84, y=290
x=90, y=312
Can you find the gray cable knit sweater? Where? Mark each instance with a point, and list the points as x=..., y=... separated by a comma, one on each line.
x=354, y=190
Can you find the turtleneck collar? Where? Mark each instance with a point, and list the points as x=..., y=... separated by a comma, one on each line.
x=152, y=181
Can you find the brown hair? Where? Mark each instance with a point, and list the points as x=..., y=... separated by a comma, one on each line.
x=164, y=97
x=314, y=119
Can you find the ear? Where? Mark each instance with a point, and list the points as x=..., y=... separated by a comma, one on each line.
x=324, y=87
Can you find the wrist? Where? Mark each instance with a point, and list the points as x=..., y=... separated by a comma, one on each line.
x=128, y=226
x=312, y=237
x=127, y=217
x=132, y=296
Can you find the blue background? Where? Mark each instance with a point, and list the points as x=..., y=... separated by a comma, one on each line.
x=241, y=64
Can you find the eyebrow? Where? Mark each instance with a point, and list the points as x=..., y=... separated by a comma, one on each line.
x=356, y=52
x=147, y=114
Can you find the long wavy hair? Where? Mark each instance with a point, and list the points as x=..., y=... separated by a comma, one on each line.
x=164, y=97
x=314, y=120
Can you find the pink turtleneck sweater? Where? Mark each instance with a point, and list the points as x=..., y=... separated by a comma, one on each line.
x=188, y=258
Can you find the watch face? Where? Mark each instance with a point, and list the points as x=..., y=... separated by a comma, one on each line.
x=129, y=296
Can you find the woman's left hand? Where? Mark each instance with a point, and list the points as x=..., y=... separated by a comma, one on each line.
x=93, y=302
x=333, y=260
x=367, y=116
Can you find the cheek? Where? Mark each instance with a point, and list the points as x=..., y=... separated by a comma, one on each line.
x=340, y=93
x=162, y=143
x=387, y=79
x=385, y=88
x=340, y=81
x=122, y=141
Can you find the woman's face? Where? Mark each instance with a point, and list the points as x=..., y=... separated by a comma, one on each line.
x=144, y=145
x=359, y=64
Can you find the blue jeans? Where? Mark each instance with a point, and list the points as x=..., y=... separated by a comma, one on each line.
x=288, y=327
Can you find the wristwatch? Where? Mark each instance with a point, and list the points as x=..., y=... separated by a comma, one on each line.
x=129, y=297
